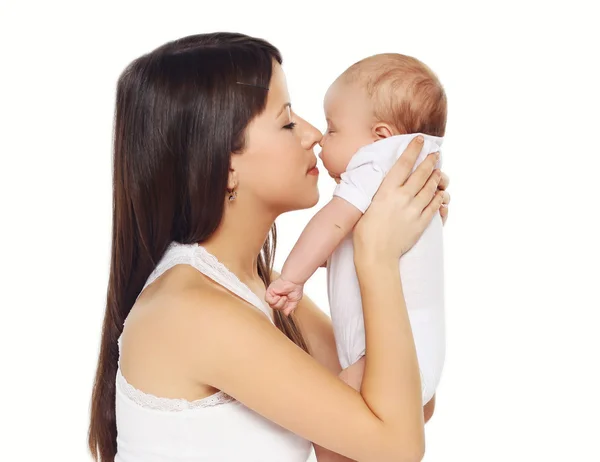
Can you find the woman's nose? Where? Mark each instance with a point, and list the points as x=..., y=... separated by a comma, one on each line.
x=311, y=135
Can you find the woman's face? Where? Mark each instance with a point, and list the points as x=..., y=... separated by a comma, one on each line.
x=276, y=166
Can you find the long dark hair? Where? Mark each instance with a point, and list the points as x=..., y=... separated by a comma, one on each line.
x=180, y=114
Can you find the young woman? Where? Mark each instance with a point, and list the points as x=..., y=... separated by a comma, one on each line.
x=193, y=364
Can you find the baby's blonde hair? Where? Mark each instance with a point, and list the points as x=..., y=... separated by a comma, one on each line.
x=405, y=92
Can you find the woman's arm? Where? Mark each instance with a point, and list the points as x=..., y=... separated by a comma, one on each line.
x=317, y=331
x=260, y=367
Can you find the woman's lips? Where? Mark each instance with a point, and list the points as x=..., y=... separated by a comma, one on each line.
x=313, y=171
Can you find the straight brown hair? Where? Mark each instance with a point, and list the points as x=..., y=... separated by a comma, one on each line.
x=180, y=114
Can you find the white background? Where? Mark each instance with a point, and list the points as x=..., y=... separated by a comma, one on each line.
x=521, y=378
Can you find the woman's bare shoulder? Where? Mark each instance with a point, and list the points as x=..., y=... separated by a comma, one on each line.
x=167, y=340
x=176, y=316
x=163, y=302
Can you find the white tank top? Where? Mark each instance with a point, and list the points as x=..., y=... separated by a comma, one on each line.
x=216, y=428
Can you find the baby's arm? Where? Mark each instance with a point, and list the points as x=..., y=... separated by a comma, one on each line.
x=319, y=239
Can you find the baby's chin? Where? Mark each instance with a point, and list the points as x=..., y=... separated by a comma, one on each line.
x=337, y=179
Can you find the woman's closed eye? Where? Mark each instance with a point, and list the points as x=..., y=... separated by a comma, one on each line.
x=290, y=126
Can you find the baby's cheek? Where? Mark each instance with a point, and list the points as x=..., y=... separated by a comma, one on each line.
x=346, y=153
x=349, y=153
x=342, y=162
x=339, y=153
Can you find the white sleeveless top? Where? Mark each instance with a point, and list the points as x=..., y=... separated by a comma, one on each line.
x=216, y=428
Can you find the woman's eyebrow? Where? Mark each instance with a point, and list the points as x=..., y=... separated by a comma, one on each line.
x=283, y=108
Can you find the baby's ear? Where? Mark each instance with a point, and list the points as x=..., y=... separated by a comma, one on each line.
x=382, y=130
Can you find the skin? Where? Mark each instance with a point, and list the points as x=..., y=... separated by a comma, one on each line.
x=350, y=126
x=173, y=343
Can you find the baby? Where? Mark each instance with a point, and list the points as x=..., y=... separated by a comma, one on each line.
x=373, y=110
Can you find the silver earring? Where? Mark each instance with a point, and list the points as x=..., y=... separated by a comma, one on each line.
x=232, y=195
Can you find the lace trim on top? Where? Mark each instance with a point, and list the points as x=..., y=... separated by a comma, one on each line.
x=205, y=262
x=149, y=401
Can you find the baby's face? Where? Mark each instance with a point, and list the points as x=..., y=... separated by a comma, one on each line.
x=349, y=121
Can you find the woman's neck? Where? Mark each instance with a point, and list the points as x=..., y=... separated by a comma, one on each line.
x=238, y=240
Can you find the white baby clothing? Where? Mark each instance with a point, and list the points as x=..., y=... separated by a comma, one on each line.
x=217, y=428
x=421, y=268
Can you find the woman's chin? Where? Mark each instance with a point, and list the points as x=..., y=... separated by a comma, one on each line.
x=310, y=199
x=315, y=200
x=302, y=200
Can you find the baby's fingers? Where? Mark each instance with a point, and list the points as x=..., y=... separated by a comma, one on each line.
x=280, y=303
x=271, y=297
x=272, y=301
x=289, y=309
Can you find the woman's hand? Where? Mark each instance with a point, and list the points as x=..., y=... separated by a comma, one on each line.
x=401, y=209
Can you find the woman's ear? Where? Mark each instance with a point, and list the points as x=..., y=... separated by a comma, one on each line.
x=232, y=180
x=382, y=130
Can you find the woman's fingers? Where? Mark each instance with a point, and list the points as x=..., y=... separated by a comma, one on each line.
x=444, y=206
x=433, y=207
x=446, y=199
x=421, y=175
x=423, y=198
x=402, y=169
x=444, y=182
x=444, y=214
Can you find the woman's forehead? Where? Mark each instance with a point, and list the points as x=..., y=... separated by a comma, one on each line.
x=278, y=91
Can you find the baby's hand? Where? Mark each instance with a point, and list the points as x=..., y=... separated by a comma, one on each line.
x=284, y=295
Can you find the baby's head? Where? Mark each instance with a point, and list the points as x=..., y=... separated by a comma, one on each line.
x=381, y=96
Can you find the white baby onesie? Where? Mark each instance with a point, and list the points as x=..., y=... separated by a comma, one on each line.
x=421, y=268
